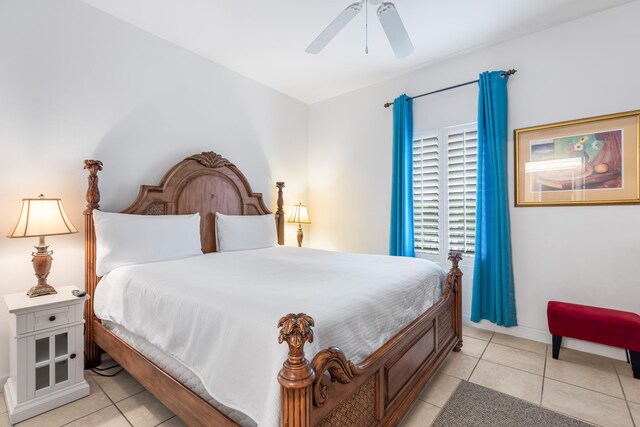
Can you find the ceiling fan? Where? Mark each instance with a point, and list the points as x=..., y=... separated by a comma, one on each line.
x=389, y=19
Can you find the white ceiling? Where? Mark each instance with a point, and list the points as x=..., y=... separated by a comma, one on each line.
x=265, y=40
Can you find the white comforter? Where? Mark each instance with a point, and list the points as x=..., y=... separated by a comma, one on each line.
x=217, y=313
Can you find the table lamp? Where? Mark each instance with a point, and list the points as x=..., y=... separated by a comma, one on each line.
x=42, y=217
x=299, y=215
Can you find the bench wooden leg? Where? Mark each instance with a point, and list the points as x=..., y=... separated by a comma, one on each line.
x=635, y=363
x=557, y=341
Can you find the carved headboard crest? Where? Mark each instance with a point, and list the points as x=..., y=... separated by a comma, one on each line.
x=210, y=159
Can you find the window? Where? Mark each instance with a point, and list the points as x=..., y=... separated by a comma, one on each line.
x=444, y=191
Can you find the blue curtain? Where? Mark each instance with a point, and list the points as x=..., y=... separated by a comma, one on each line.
x=493, y=291
x=401, y=242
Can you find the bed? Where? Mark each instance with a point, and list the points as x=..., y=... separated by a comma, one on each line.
x=355, y=377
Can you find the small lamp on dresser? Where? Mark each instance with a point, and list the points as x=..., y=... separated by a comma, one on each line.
x=39, y=218
x=299, y=215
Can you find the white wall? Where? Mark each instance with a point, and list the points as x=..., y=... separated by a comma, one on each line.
x=583, y=68
x=76, y=83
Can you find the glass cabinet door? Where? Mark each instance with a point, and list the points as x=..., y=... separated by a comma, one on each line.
x=53, y=362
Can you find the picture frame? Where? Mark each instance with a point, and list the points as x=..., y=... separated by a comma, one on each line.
x=591, y=161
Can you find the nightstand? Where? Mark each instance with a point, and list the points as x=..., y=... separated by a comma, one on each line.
x=46, y=352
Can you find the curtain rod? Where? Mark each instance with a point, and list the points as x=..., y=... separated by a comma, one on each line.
x=506, y=73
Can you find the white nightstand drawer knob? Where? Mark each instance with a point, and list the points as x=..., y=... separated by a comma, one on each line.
x=52, y=318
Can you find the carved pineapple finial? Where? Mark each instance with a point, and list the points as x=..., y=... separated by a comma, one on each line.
x=93, y=166
x=296, y=330
x=455, y=274
x=455, y=258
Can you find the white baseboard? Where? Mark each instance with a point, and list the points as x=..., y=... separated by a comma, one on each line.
x=3, y=379
x=545, y=337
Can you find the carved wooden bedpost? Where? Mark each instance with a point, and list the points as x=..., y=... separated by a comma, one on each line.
x=280, y=214
x=91, y=280
x=296, y=376
x=454, y=282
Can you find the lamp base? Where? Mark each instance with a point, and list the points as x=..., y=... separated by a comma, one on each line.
x=40, y=290
x=300, y=235
x=41, y=265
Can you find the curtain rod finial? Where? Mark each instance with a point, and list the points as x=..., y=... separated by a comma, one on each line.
x=388, y=104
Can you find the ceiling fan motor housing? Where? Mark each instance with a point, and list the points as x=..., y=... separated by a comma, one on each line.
x=385, y=7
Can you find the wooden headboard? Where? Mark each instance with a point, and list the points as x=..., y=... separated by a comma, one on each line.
x=206, y=183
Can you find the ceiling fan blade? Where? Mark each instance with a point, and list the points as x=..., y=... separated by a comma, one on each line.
x=334, y=28
x=395, y=31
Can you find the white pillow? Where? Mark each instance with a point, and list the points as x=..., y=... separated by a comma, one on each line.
x=123, y=239
x=243, y=232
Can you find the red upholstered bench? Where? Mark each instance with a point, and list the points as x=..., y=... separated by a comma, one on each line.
x=600, y=325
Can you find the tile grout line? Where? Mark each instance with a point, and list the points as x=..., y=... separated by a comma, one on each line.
x=633, y=422
x=114, y=403
x=75, y=419
x=554, y=379
x=123, y=415
x=518, y=348
x=479, y=358
x=84, y=416
x=593, y=423
x=511, y=367
x=584, y=388
x=168, y=419
x=546, y=345
x=544, y=375
x=123, y=399
x=119, y=410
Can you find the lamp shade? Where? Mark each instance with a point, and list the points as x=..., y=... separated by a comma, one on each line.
x=299, y=214
x=42, y=217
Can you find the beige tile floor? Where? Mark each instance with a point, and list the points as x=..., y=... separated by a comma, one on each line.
x=595, y=389
x=113, y=402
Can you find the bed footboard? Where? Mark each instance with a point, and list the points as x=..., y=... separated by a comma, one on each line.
x=333, y=391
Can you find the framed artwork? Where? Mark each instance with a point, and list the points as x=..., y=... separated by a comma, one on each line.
x=593, y=161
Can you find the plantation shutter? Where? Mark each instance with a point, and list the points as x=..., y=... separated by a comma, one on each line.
x=462, y=154
x=426, y=195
